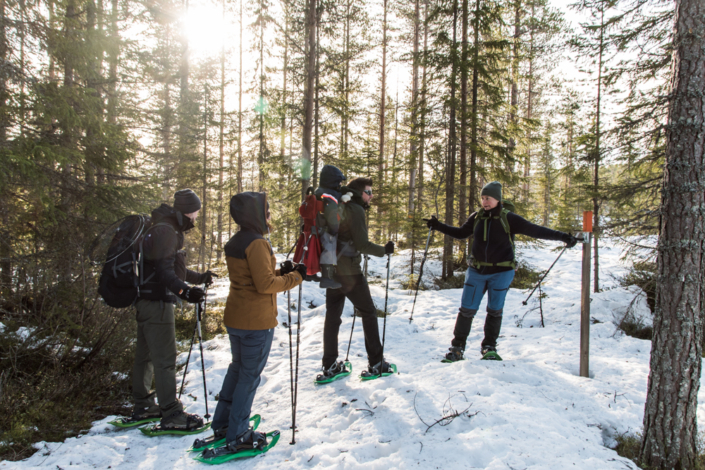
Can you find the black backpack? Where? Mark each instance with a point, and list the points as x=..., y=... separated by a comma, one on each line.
x=119, y=281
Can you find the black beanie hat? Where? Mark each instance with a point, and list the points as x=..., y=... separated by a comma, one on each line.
x=493, y=189
x=186, y=201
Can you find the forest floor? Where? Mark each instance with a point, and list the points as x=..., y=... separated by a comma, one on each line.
x=530, y=411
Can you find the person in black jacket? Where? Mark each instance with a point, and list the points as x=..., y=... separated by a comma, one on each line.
x=353, y=242
x=163, y=278
x=492, y=265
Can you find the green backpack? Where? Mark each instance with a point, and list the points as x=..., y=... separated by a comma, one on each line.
x=507, y=207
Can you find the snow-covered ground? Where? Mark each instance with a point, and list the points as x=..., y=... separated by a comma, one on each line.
x=531, y=411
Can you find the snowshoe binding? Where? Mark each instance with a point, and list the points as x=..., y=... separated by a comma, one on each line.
x=139, y=416
x=218, y=437
x=250, y=444
x=489, y=353
x=337, y=371
x=178, y=423
x=381, y=369
x=455, y=354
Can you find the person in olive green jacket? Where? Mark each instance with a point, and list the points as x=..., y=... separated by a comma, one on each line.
x=353, y=242
x=250, y=317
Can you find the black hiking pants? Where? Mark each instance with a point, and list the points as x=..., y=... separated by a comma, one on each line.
x=355, y=289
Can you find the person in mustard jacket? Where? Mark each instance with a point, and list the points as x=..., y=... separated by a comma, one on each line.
x=250, y=317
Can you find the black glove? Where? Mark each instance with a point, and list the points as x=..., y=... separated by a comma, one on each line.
x=287, y=266
x=301, y=268
x=193, y=295
x=207, y=278
x=389, y=248
x=432, y=223
x=570, y=240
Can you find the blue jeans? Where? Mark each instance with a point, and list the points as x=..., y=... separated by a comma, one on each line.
x=250, y=350
x=476, y=284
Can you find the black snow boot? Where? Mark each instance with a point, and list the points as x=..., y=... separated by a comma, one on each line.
x=462, y=327
x=455, y=354
x=249, y=440
x=336, y=368
x=139, y=414
x=493, y=324
x=375, y=369
x=218, y=434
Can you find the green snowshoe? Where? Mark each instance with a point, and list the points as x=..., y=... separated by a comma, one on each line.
x=490, y=354
x=455, y=354
x=200, y=445
x=222, y=454
x=373, y=372
x=335, y=372
x=131, y=423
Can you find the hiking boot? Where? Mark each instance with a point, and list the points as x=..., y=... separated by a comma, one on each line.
x=139, y=414
x=182, y=421
x=486, y=349
x=218, y=434
x=455, y=354
x=375, y=369
x=332, y=371
x=249, y=440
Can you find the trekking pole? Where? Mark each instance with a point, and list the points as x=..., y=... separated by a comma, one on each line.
x=296, y=376
x=418, y=282
x=384, y=328
x=183, y=379
x=199, y=310
x=298, y=342
x=291, y=353
x=544, y=276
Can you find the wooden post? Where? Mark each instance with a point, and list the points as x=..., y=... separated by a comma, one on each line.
x=585, y=297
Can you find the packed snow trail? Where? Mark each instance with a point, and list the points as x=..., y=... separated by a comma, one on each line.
x=530, y=411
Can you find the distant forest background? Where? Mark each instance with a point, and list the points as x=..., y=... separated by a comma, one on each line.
x=106, y=111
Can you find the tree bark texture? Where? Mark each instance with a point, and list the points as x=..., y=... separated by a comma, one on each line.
x=670, y=431
x=450, y=165
x=308, y=97
x=463, y=185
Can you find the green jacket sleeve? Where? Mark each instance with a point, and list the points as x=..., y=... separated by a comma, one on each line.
x=360, y=237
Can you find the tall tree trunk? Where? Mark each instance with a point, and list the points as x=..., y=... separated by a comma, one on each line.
x=597, y=157
x=474, y=143
x=670, y=434
x=285, y=70
x=514, y=92
x=308, y=96
x=423, y=105
x=450, y=165
x=529, y=106
x=221, y=147
x=382, y=114
x=262, y=144
x=414, y=132
x=5, y=250
x=316, y=141
x=239, y=113
x=187, y=144
x=462, y=187
x=204, y=194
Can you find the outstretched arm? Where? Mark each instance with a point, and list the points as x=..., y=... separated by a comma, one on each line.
x=461, y=232
x=519, y=225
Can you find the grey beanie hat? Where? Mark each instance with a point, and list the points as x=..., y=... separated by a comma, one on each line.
x=493, y=189
x=186, y=201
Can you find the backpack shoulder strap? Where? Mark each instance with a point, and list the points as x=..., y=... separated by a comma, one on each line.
x=479, y=215
x=505, y=221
